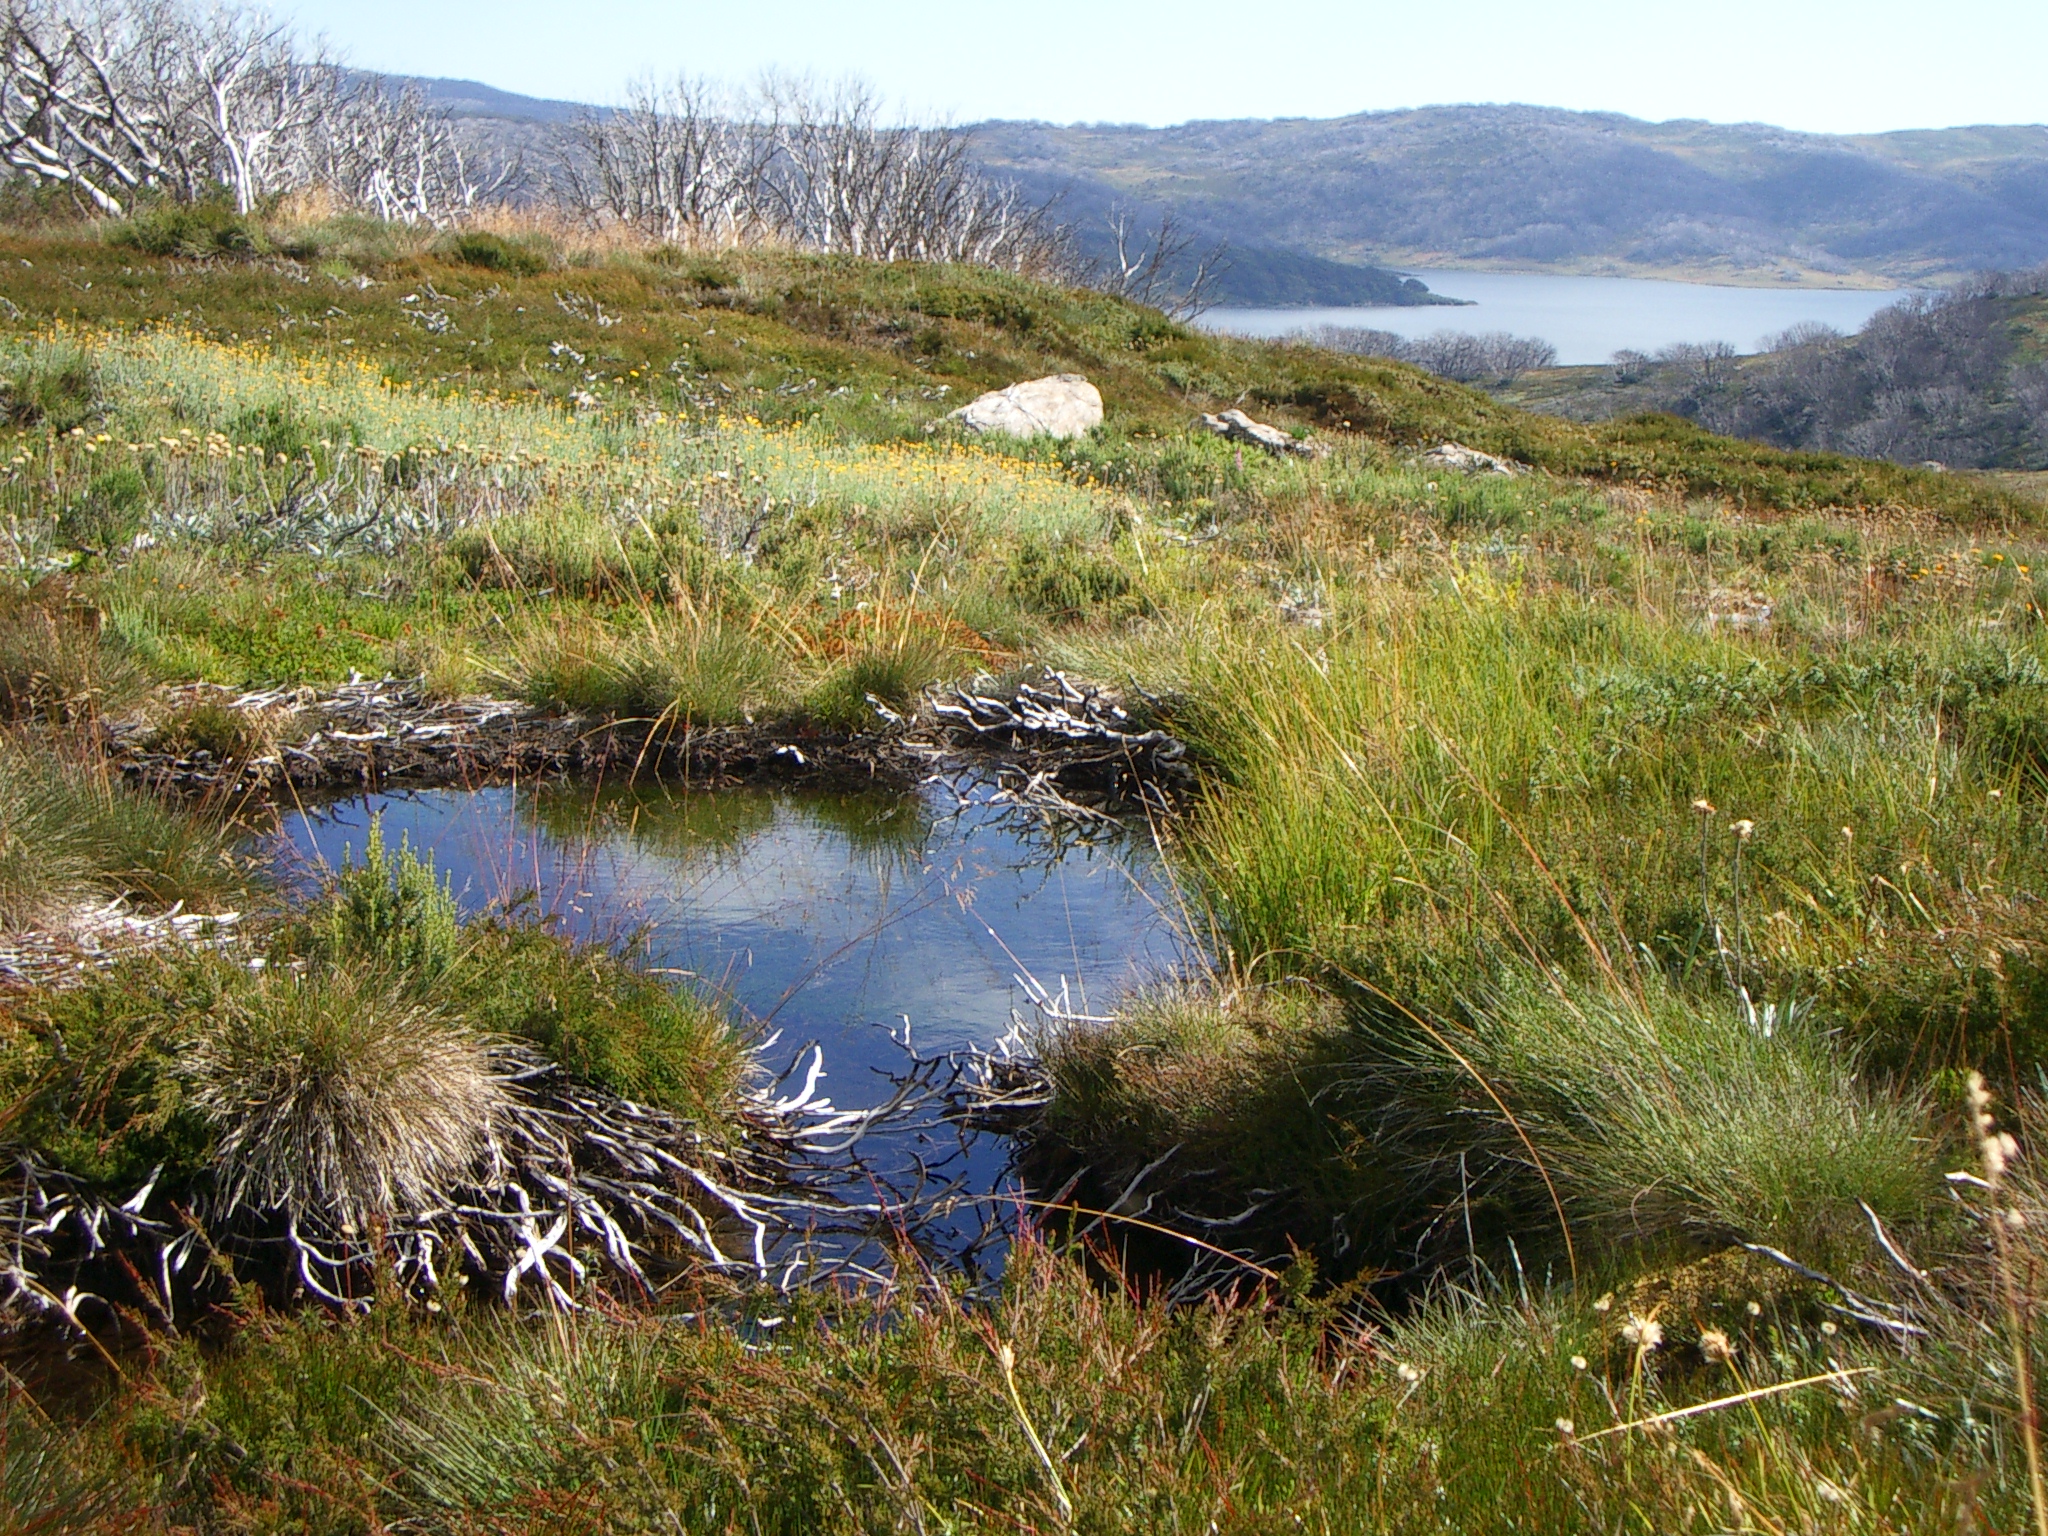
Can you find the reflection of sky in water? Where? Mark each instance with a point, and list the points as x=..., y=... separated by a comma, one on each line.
x=834, y=913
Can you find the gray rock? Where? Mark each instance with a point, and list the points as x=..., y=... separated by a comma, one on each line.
x=1062, y=405
x=1470, y=461
x=1241, y=428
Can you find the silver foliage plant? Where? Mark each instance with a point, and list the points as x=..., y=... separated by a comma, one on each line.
x=120, y=100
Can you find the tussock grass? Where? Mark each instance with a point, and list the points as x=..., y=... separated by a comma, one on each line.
x=68, y=834
x=337, y=1093
x=56, y=662
x=673, y=669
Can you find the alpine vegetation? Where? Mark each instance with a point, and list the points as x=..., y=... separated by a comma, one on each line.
x=1596, y=886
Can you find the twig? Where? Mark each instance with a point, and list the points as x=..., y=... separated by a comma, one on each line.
x=1724, y=1402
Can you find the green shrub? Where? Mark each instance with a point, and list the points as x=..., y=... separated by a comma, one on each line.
x=211, y=228
x=390, y=911
x=602, y=1020
x=496, y=253
x=283, y=429
x=1065, y=580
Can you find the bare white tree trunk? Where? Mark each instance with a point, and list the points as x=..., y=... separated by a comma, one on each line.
x=119, y=97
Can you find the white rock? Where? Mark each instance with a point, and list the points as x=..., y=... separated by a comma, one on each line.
x=1237, y=425
x=1471, y=461
x=1062, y=405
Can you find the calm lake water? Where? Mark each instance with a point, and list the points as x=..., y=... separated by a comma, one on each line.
x=829, y=915
x=1588, y=319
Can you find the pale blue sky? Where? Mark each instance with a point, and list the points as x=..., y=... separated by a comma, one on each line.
x=1821, y=65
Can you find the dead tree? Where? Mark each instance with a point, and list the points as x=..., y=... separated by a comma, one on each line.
x=814, y=166
x=126, y=99
x=1161, y=267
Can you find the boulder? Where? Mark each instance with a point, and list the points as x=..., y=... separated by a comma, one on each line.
x=1470, y=461
x=1062, y=405
x=1241, y=428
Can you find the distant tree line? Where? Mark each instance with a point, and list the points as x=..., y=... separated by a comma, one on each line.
x=1489, y=357
x=1935, y=377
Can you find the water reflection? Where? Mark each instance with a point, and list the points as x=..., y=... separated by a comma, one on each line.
x=829, y=916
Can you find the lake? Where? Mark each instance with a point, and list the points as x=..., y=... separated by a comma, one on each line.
x=1588, y=319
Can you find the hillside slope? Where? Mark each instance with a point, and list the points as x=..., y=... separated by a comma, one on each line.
x=1530, y=187
x=880, y=349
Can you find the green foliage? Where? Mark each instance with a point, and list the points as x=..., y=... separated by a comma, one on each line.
x=192, y=230
x=110, y=512
x=497, y=253
x=1066, y=580
x=390, y=911
x=601, y=1019
x=54, y=385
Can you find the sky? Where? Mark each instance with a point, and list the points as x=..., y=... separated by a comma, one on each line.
x=1826, y=66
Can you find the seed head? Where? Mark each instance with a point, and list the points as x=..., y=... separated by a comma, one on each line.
x=1704, y=807
x=1565, y=1427
x=1715, y=1346
x=1742, y=829
x=1578, y=1362
x=1646, y=1333
x=1408, y=1373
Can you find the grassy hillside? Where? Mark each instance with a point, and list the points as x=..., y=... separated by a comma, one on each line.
x=1608, y=876
x=869, y=350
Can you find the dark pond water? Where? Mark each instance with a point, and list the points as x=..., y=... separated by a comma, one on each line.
x=830, y=917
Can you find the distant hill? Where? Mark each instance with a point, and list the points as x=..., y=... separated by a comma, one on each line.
x=472, y=98
x=1533, y=188
x=1259, y=271
x=1317, y=210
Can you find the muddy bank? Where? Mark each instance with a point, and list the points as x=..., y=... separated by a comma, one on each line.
x=1057, y=743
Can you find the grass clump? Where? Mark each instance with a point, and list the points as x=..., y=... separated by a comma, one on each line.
x=500, y=253
x=69, y=834
x=54, y=386
x=671, y=669
x=337, y=1093
x=57, y=663
x=190, y=230
x=1661, y=1118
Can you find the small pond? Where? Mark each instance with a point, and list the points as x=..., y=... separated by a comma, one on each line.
x=827, y=917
